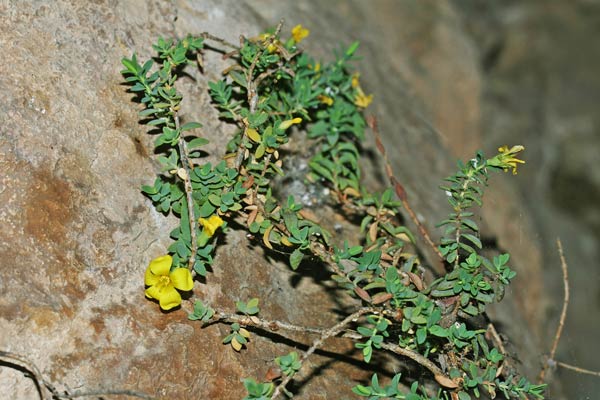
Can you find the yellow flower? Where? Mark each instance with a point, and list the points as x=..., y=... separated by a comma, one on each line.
x=362, y=100
x=163, y=282
x=299, y=33
x=269, y=41
x=355, y=81
x=286, y=124
x=211, y=224
x=325, y=99
x=507, y=158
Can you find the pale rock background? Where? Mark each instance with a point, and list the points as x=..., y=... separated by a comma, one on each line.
x=448, y=78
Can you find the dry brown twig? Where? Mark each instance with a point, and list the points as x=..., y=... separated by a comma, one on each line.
x=12, y=359
x=563, y=314
x=401, y=193
x=551, y=361
x=340, y=328
x=188, y=166
x=333, y=331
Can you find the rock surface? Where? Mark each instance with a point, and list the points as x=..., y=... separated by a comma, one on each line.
x=77, y=233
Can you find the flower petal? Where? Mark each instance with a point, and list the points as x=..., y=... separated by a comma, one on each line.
x=161, y=265
x=169, y=298
x=153, y=292
x=149, y=278
x=211, y=224
x=181, y=278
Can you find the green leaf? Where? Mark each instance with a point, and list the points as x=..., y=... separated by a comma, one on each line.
x=252, y=303
x=190, y=125
x=362, y=390
x=214, y=199
x=355, y=250
x=158, y=121
x=131, y=65
x=206, y=210
x=238, y=78
x=148, y=111
x=296, y=258
x=320, y=170
x=472, y=238
x=463, y=396
x=200, y=267
x=197, y=142
x=421, y=335
x=260, y=151
x=439, y=331
x=353, y=47
x=149, y=189
x=241, y=306
x=365, y=331
x=470, y=224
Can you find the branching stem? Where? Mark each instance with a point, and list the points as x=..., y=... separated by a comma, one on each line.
x=263, y=324
x=188, y=166
x=206, y=35
x=333, y=331
x=563, y=314
x=16, y=360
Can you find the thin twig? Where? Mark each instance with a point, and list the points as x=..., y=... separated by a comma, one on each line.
x=102, y=393
x=252, y=96
x=401, y=351
x=18, y=360
x=188, y=166
x=272, y=38
x=496, y=338
x=318, y=249
x=563, y=314
x=333, y=331
x=578, y=369
x=276, y=325
x=401, y=193
x=261, y=323
x=206, y=35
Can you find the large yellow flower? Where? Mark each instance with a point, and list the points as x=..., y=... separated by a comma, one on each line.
x=163, y=282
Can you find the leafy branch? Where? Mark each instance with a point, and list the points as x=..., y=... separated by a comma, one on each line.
x=271, y=92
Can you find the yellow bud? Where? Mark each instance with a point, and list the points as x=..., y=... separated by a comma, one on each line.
x=286, y=124
x=355, y=81
x=325, y=99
